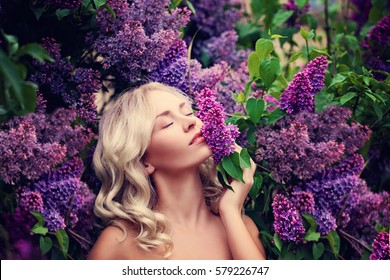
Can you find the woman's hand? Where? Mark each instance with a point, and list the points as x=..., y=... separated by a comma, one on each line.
x=232, y=202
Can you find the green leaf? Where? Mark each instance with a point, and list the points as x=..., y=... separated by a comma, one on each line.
x=45, y=244
x=257, y=183
x=281, y=17
x=264, y=47
x=378, y=112
x=222, y=177
x=275, y=115
x=316, y=53
x=39, y=217
x=231, y=164
x=109, y=9
x=278, y=242
x=35, y=51
x=294, y=57
x=373, y=98
x=277, y=36
x=334, y=242
x=304, y=33
x=191, y=7
x=13, y=44
x=301, y=3
x=245, y=159
x=255, y=109
x=39, y=230
x=339, y=78
x=269, y=70
x=99, y=3
x=318, y=250
x=63, y=241
x=253, y=64
x=310, y=219
x=61, y=13
x=251, y=135
x=312, y=236
x=346, y=97
x=322, y=101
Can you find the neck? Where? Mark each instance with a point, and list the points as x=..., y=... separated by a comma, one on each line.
x=181, y=197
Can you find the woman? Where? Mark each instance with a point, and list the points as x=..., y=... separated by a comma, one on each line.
x=159, y=195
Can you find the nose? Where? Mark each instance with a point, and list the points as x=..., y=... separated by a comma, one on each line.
x=189, y=123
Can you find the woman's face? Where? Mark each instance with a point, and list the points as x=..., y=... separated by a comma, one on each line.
x=176, y=142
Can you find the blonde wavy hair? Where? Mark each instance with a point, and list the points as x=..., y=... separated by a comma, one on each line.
x=127, y=193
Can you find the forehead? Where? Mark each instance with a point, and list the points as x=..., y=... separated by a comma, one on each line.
x=163, y=100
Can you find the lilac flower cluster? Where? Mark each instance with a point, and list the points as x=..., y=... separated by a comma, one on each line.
x=223, y=48
x=219, y=136
x=33, y=144
x=315, y=71
x=216, y=16
x=291, y=153
x=187, y=75
x=379, y=35
x=138, y=39
x=22, y=154
x=298, y=96
x=303, y=201
x=287, y=220
x=381, y=247
x=371, y=208
x=76, y=86
x=69, y=4
x=295, y=19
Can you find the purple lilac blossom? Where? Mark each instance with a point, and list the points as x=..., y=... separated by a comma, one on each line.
x=291, y=154
x=325, y=220
x=379, y=35
x=76, y=86
x=315, y=71
x=381, y=247
x=288, y=223
x=297, y=97
x=219, y=136
x=223, y=48
x=268, y=98
x=303, y=201
x=31, y=201
x=22, y=154
x=333, y=125
x=138, y=39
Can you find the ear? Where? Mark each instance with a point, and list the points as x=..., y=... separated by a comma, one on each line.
x=149, y=168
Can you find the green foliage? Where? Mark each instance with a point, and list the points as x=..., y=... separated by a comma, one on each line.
x=17, y=95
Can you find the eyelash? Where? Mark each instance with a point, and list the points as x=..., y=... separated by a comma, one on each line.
x=189, y=114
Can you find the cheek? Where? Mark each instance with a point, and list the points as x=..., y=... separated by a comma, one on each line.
x=164, y=149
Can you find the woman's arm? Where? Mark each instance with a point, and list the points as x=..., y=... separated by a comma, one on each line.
x=241, y=231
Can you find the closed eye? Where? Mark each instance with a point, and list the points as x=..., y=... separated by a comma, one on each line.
x=190, y=114
x=165, y=126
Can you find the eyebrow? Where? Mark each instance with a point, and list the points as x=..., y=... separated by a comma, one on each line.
x=167, y=111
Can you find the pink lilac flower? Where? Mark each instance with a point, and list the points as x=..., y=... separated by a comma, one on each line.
x=315, y=71
x=31, y=201
x=287, y=221
x=219, y=136
x=381, y=247
x=303, y=201
x=297, y=97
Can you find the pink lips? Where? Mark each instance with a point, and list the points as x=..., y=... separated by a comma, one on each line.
x=197, y=139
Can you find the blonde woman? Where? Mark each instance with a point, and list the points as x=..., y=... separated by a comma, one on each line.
x=159, y=197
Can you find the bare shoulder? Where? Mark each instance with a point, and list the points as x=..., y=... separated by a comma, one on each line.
x=254, y=232
x=115, y=244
